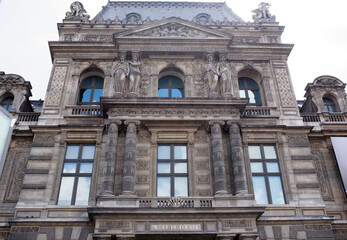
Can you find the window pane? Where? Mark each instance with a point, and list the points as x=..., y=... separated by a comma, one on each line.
x=163, y=187
x=181, y=186
x=72, y=152
x=9, y=107
x=257, y=167
x=332, y=108
x=163, y=82
x=85, y=95
x=241, y=84
x=251, y=97
x=97, y=94
x=164, y=168
x=252, y=84
x=270, y=152
x=180, y=167
x=177, y=82
x=180, y=152
x=163, y=152
x=87, y=82
x=178, y=93
x=88, y=152
x=260, y=190
x=163, y=92
x=276, y=190
x=82, y=193
x=242, y=93
x=99, y=82
x=65, y=193
x=254, y=152
x=256, y=96
x=272, y=167
x=86, y=168
x=69, y=167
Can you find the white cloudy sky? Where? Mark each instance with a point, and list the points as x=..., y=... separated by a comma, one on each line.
x=318, y=28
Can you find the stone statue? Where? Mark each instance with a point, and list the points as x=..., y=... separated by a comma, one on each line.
x=262, y=14
x=120, y=74
x=225, y=75
x=127, y=75
x=134, y=74
x=218, y=76
x=77, y=11
x=211, y=74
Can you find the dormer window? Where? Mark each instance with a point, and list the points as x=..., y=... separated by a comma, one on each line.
x=170, y=87
x=7, y=102
x=329, y=105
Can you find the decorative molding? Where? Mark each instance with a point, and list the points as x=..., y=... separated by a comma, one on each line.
x=202, y=165
x=142, y=179
x=18, y=171
x=322, y=176
x=203, y=179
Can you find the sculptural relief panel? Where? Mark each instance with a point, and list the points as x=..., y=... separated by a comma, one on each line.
x=56, y=88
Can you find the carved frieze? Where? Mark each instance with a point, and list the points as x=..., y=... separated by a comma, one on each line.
x=201, y=152
x=246, y=40
x=199, y=82
x=202, y=165
x=204, y=179
x=98, y=38
x=18, y=172
x=142, y=179
x=322, y=176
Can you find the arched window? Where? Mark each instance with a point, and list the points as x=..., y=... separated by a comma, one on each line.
x=91, y=91
x=249, y=89
x=170, y=86
x=7, y=103
x=329, y=104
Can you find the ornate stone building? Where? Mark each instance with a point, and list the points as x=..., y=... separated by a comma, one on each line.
x=172, y=120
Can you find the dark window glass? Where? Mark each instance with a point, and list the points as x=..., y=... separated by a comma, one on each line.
x=76, y=175
x=170, y=86
x=91, y=90
x=249, y=89
x=172, y=170
x=7, y=103
x=266, y=174
x=329, y=105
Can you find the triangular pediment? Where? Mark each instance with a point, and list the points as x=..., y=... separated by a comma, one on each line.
x=173, y=28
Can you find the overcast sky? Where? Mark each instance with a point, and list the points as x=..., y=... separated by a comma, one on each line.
x=318, y=28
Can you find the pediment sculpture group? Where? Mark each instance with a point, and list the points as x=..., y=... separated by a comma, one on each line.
x=127, y=76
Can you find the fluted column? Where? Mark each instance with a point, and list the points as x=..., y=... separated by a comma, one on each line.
x=108, y=173
x=219, y=178
x=237, y=159
x=129, y=158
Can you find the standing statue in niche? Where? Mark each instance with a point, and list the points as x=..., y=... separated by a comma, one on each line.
x=127, y=76
x=262, y=14
x=218, y=76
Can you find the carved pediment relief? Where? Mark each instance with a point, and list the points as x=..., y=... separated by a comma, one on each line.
x=173, y=28
x=328, y=81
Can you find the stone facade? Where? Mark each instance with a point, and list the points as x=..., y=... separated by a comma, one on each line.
x=229, y=93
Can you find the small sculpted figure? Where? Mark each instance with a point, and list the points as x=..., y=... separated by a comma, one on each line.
x=134, y=74
x=211, y=74
x=120, y=74
x=77, y=11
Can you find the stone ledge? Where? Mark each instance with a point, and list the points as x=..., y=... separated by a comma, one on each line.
x=37, y=171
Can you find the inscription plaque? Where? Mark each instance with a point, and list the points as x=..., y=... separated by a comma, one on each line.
x=173, y=227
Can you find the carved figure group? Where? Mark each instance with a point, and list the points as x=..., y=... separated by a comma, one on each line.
x=127, y=75
x=262, y=14
x=77, y=11
x=218, y=76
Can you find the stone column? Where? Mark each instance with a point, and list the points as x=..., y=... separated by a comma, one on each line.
x=108, y=173
x=129, y=158
x=219, y=180
x=237, y=159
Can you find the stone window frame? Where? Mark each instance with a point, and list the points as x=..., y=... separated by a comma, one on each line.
x=263, y=160
x=79, y=160
x=170, y=87
x=172, y=161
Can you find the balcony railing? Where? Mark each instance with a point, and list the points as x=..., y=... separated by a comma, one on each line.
x=28, y=117
x=176, y=202
x=258, y=111
x=83, y=111
x=324, y=117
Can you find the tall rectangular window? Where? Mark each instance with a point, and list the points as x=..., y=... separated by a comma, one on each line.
x=266, y=174
x=76, y=175
x=172, y=170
